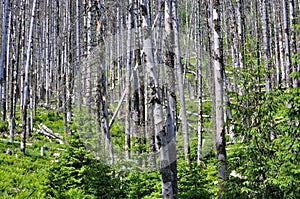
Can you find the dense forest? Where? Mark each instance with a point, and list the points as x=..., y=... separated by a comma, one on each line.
x=150, y=99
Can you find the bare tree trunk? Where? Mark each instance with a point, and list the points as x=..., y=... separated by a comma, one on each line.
x=128, y=84
x=89, y=48
x=266, y=38
x=218, y=95
x=140, y=83
x=287, y=43
x=276, y=43
x=177, y=51
x=26, y=81
x=102, y=91
x=199, y=79
x=13, y=91
x=169, y=61
x=296, y=81
x=78, y=54
x=3, y=55
x=155, y=100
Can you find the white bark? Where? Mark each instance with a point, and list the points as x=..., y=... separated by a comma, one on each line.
x=169, y=61
x=155, y=99
x=219, y=93
x=3, y=48
x=26, y=81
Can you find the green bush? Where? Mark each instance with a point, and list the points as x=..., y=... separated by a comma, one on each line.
x=77, y=173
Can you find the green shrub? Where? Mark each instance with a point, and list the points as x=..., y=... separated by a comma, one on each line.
x=76, y=171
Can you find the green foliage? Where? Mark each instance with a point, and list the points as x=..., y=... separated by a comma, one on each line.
x=196, y=181
x=269, y=158
x=140, y=185
x=3, y=126
x=77, y=173
x=50, y=119
x=21, y=176
x=117, y=134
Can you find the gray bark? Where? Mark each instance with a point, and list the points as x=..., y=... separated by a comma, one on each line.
x=276, y=42
x=199, y=79
x=78, y=54
x=266, y=39
x=169, y=62
x=286, y=30
x=179, y=71
x=128, y=84
x=296, y=81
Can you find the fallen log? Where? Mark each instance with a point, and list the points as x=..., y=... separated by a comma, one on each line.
x=49, y=133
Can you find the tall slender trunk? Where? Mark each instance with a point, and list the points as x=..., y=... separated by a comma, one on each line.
x=169, y=61
x=155, y=100
x=296, y=81
x=199, y=79
x=266, y=39
x=13, y=91
x=218, y=94
x=78, y=54
x=286, y=30
x=26, y=81
x=276, y=43
x=128, y=84
x=102, y=90
x=177, y=50
x=3, y=55
x=89, y=49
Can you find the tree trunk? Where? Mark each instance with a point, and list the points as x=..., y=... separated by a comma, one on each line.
x=266, y=39
x=199, y=79
x=287, y=43
x=155, y=100
x=177, y=51
x=3, y=55
x=78, y=54
x=296, y=80
x=13, y=91
x=26, y=81
x=169, y=61
x=128, y=84
x=218, y=95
